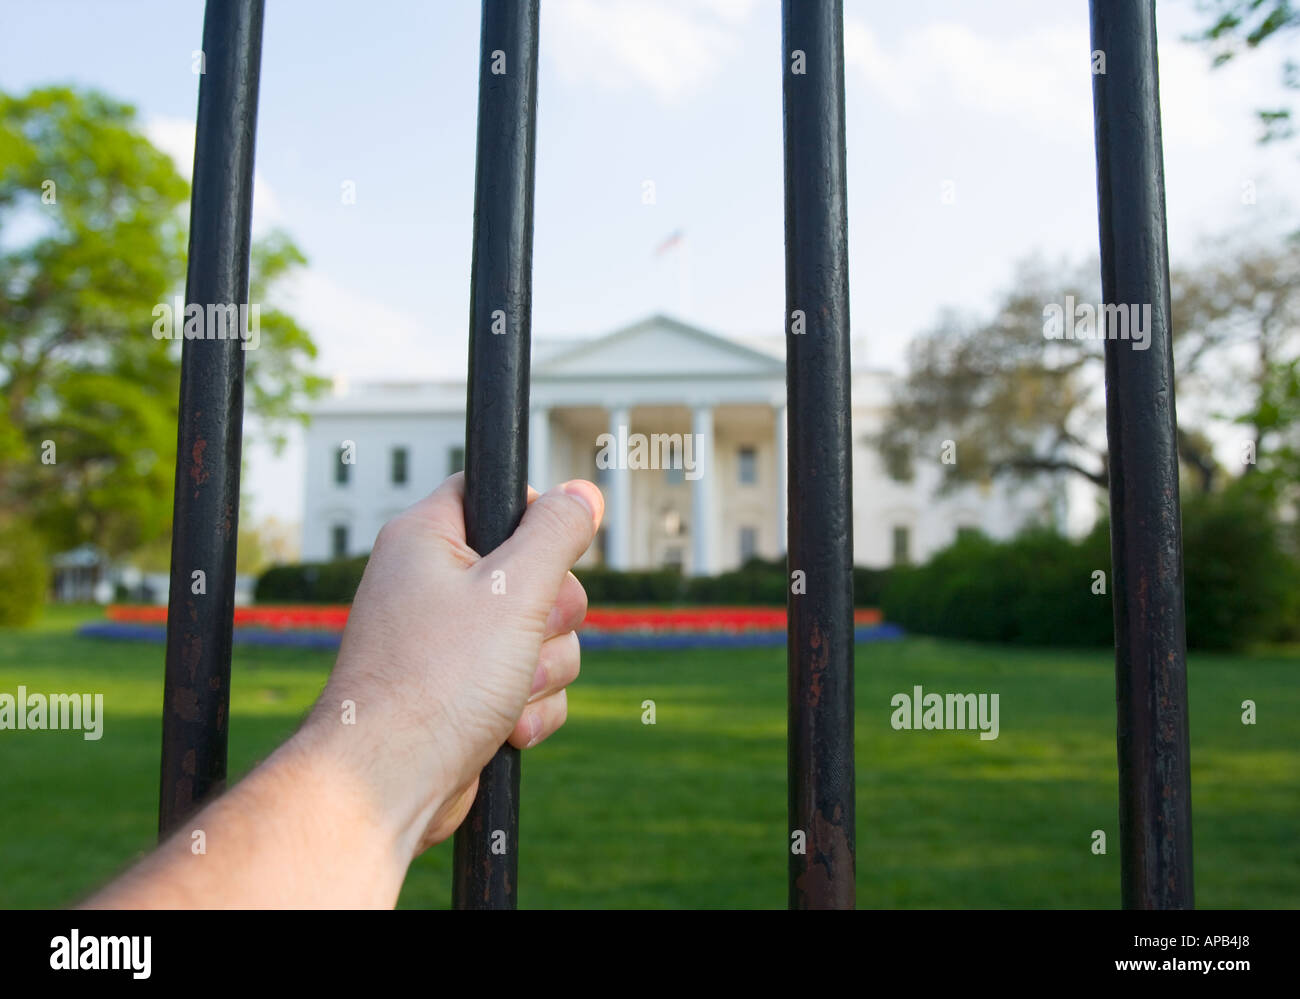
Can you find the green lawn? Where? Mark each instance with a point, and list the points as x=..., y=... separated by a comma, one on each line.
x=691, y=811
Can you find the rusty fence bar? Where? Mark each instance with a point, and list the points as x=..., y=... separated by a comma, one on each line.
x=819, y=479
x=200, y=611
x=496, y=422
x=1155, y=814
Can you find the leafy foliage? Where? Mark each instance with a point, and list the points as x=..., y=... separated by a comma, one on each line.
x=23, y=573
x=1017, y=403
x=92, y=238
x=1240, y=25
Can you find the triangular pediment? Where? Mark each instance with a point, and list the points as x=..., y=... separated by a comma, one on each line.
x=657, y=346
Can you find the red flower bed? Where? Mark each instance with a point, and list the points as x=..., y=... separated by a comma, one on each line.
x=318, y=617
x=321, y=617
x=700, y=619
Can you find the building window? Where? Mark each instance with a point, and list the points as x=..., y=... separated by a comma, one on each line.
x=602, y=473
x=675, y=473
x=339, y=541
x=748, y=544
x=673, y=557
x=342, y=467
x=748, y=466
x=456, y=460
x=902, y=546
x=399, y=456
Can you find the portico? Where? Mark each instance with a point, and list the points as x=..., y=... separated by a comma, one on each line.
x=698, y=483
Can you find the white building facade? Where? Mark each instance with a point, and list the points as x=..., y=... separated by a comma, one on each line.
x=685, y=433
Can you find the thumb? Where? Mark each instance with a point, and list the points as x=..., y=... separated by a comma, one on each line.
x=556, y=529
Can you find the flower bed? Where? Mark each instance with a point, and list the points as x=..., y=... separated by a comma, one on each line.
x=600, y=620
x=312, y=617
x=303, y=638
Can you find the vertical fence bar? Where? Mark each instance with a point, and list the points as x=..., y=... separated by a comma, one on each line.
x=496, y=425
x=200, y=610
x=1155, y=813
x=819, y=480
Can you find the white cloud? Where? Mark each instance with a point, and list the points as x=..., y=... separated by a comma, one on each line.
x=363, y=337
x=670, y=48
x=175, y=137
x=357, y=335
x=1040, y=78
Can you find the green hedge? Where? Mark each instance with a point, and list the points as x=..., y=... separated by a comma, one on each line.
x=1241, y=575
x=606, y=586
x=1038, y=587
x=759, y=582
x=756, y=582
x=311, y=582
x=869, y=585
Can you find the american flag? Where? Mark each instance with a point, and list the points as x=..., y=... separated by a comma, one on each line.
x=670, y=242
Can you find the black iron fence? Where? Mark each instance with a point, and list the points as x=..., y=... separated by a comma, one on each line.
x=1155, y=810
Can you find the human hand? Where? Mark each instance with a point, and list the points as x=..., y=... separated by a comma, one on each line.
x=447, y=655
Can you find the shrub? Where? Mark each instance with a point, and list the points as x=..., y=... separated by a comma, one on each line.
x=24, y=573
x=1035, y=589
x=608, y=586
x=756, y=582
x=1240, y=583
x=869, y=585
x=311, y=582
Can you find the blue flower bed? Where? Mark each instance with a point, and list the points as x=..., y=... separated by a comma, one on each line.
x=591, y=640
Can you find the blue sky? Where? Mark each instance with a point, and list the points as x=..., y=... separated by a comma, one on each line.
x=993, y=96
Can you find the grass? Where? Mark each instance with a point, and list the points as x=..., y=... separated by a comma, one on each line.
x=690, y=812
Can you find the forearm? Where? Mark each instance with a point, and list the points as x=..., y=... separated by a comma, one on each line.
x=302, y=830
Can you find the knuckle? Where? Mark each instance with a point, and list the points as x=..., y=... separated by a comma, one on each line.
x=562, y=709
x=389, y=534
x=572, y=657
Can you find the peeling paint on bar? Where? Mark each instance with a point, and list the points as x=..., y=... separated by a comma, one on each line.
x=196, y=694
x=819, y=479
x=1155, y=811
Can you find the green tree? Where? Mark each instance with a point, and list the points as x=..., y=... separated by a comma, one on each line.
x=92, y=238
x=1016, y=403
x=1238, y=26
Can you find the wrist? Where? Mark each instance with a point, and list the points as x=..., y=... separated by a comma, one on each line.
x=347, y=806
x=387, y=771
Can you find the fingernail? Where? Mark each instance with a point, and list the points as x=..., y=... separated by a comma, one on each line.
x=534, y=727
x=539, y=679
x=579, y=490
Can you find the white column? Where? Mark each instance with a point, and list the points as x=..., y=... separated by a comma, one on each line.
x=618, y=495
x=539, y=449
x=702, y=492
x=779, y=416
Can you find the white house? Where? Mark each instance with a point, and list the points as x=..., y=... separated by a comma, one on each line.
x=710, y=408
